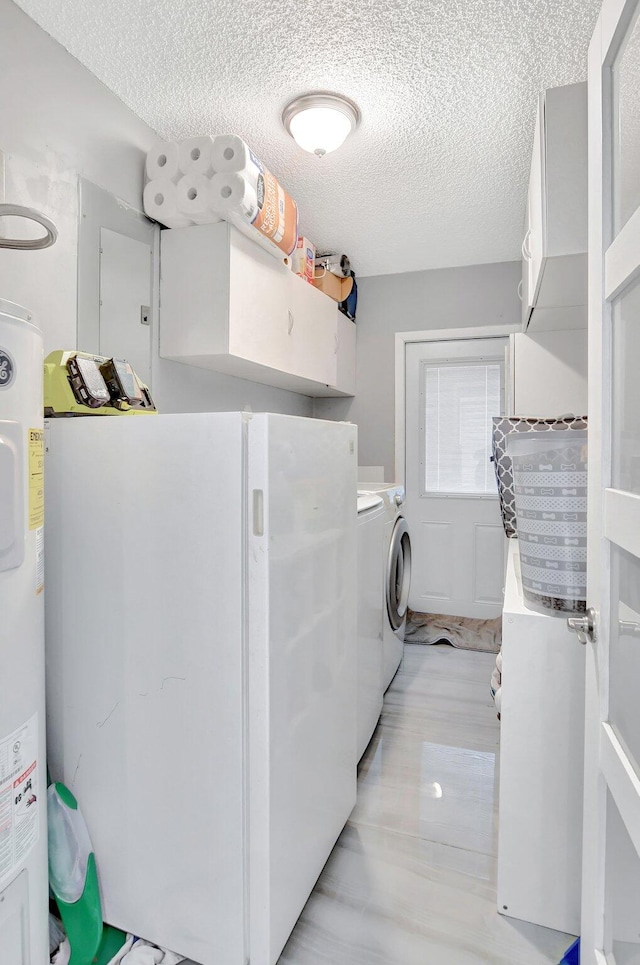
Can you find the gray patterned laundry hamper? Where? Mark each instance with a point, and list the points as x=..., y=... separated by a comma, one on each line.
x=541, y=470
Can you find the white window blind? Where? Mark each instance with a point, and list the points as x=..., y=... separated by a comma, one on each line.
x=459, y=403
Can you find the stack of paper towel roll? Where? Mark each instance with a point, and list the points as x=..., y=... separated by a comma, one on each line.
x=202, y=180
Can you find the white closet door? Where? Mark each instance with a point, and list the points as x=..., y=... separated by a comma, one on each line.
x=611, y=864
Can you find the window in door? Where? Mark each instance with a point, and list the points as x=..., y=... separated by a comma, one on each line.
x=458, y=401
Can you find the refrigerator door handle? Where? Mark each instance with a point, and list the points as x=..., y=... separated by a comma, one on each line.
x=258, y=512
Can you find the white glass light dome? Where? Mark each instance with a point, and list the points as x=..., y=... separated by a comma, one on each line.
x=320, y=123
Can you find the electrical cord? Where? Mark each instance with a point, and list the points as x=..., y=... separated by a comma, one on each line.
x=28, y=244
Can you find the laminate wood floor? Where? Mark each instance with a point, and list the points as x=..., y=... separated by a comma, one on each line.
x=412, y=878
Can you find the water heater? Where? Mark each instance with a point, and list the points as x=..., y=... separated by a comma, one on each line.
x=23, y=822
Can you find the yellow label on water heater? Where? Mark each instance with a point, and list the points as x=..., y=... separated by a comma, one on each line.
x=36, y=477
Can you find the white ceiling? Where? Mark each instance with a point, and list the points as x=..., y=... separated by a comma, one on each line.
x=435, y=175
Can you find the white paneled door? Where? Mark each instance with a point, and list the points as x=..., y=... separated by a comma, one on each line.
x=611, y=864
x=453, y=389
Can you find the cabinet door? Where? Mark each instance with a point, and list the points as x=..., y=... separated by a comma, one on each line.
x=550, y=373
x=525, y=291
x=346, y=374
x=537, y=219
x=259, y=314
x=313, y=332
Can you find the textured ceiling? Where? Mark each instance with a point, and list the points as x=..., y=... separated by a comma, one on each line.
x=436, y=174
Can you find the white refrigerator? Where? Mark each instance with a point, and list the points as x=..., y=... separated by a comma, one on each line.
x=201, y=660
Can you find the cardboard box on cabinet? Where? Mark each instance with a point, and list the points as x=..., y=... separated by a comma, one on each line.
x=303, y=259
x=333, y=286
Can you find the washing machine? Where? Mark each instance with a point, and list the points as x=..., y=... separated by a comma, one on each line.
x=372, y=520
x=396, y=575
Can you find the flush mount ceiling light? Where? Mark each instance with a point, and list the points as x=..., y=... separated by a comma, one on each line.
x=320, y=123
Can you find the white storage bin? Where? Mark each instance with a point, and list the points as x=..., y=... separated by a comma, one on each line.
x=550, y=482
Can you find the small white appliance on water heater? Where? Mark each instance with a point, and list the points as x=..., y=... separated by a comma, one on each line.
x=24, y=936
x=24, y=881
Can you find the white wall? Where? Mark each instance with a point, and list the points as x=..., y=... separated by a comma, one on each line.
x=58, y=121
x=415, y=301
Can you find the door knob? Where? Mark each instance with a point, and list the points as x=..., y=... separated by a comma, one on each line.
x=584, y=627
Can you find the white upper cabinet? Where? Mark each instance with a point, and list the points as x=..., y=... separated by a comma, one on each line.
x=549, y=372
x=554, y=248
x=228, y=305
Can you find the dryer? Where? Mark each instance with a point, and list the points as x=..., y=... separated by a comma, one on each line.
x=396, y=575
x=372, y=520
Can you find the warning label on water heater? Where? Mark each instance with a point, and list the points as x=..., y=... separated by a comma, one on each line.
x=40, y=560
x=19, y=790
x=36, y=478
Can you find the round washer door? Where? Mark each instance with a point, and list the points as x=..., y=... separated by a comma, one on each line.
x=398, y=573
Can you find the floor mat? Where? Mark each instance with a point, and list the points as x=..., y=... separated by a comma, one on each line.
x=466, y=633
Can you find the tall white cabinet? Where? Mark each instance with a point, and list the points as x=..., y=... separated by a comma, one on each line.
x=541, y=760
x=542, y=711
